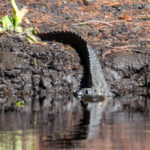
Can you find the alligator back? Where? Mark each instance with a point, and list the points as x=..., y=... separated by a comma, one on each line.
x=99, y=83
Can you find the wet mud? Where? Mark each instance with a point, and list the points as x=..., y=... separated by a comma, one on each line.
x=129, y=71
x=40, y=74
x=33, y=72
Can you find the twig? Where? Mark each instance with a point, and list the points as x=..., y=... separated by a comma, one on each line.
x=124, y=48
x=93, y=21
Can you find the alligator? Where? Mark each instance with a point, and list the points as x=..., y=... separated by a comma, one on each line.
x=93, y=81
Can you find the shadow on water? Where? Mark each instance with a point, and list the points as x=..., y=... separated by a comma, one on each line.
x=115, y=125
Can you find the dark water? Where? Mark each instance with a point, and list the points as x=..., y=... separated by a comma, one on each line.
x=71, y=126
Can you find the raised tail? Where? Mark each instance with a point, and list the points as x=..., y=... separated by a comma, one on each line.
x=80, y=45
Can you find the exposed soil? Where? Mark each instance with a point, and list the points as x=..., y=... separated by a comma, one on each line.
x=119, y=33
x=33, y=72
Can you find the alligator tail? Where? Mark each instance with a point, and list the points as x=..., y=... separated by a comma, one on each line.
x=79, y=44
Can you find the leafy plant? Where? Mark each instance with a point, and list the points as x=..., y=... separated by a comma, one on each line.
x=18, y=14
x=12, y=24
x=19, y=104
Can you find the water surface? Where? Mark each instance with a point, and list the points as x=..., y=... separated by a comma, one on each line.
x=74, y=127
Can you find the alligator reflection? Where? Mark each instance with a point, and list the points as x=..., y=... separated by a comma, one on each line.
x=70, y=126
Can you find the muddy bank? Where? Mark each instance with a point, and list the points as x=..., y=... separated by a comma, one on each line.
x=119, y=34
x=33, y=72
x=44, y=73
x=128, y=71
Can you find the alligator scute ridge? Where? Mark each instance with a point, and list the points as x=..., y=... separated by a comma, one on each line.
x=93, y=81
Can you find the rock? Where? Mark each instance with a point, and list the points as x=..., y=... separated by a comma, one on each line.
x=46, y=82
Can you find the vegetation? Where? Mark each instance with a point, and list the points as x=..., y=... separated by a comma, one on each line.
x=19, y=104
x=12, y=24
